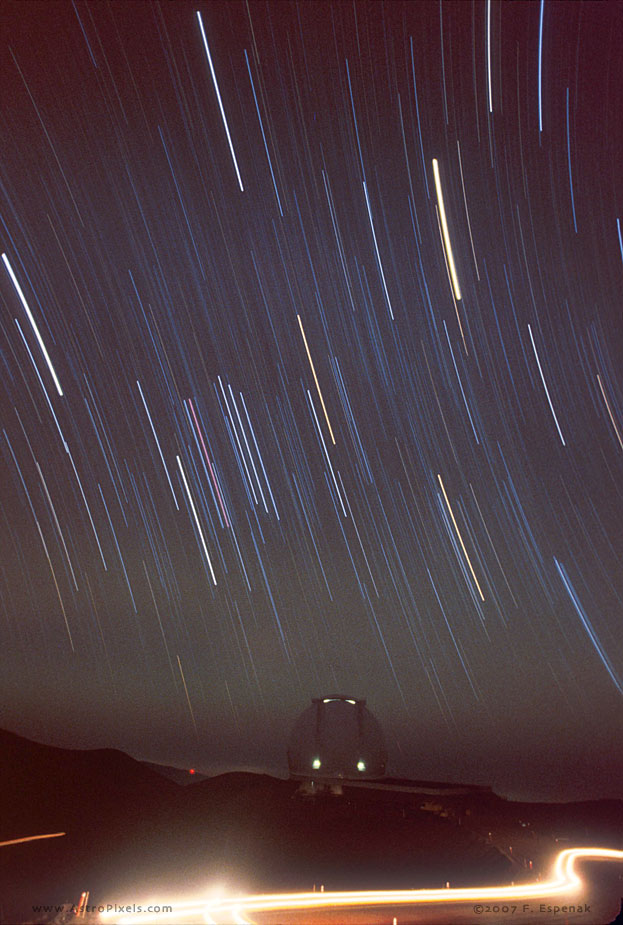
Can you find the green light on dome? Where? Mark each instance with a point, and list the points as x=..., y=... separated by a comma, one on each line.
x=361, y=765
x=316, y=764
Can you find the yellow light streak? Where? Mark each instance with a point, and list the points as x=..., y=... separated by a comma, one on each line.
x=458, y=533
x=444, y=229
x=616, y=429
x=18, y=841
x=311, y=363
x=563, y=881
x=454, y=301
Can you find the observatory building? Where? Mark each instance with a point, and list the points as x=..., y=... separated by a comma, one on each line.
x=336, y=739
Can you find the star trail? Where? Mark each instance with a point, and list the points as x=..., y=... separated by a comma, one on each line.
x=311, y=346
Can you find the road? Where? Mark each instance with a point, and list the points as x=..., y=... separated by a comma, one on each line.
x=565, y=896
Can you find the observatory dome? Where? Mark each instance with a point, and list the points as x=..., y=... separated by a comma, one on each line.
x=336, y=738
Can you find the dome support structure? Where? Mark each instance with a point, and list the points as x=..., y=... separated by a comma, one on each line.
x=335, y=740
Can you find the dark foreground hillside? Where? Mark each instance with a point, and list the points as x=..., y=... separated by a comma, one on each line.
x=131, y=832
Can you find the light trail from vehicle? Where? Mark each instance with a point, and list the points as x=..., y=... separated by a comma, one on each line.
x=563, y=881
x=19, y=841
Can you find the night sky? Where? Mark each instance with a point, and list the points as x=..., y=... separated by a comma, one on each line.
x=311, y=381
